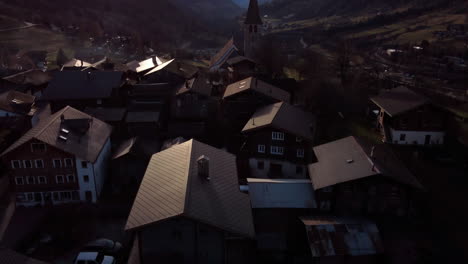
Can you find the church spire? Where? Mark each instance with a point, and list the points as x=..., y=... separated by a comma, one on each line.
x=253, y=14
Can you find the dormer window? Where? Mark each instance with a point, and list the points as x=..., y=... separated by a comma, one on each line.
x=203, y=167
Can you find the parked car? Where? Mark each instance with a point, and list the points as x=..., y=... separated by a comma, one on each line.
x=103, y=245
x=93, y=258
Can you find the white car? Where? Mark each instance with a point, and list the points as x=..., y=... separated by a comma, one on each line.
x=94, y=258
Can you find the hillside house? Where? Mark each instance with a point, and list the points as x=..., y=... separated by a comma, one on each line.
x=406, y=118
x=352, y=177
x=189, y=208
x=241, y=99
x=278, y=141
x=173, y=71
x=62, y=159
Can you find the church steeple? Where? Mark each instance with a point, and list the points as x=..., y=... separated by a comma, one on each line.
x=252, y=27
x=253, y=14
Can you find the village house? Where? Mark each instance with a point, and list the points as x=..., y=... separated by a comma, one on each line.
x=16, y=104
x=193, y=101
x=61, y=159
x=342, y=240
x=75, y=65
x=189, y=208
x=30, y=82
x=81, y=89
x=278, y=140
x=406, y=118
x=352, y=177
x=241, y=99
x=241, y=67
x=219, y=60
x=173, y=71
x=139, y=68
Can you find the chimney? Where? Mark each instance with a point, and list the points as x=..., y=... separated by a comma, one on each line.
x=203, y=167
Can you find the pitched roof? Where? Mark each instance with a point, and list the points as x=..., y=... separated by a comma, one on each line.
x=17, y=102
x=76, y=63
x=86, y=137
x=82, y=85
x=258, y=86
x=140, y=66
x=285, y=117
x=171, y=187
x=399, y=100
x=332, y=236
x=345, y=160
x=253, y=14
x=33, y=77
x=238, y=59
x=176, y=67
x=198, y=85
x=224, y=54
x=8, y=256
x=107, y=114
x=124, y=148
x=142, y=117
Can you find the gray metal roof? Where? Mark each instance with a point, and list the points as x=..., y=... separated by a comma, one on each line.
x=76, y=63
x=346, y=160
x=107, y=114
x=258, y=86
x=399, y=100
x=171, y=187
x=285, y=117
x=70, y=85
x=142, y=117
x=82, y=141
x=140, y=66
x=332, y=236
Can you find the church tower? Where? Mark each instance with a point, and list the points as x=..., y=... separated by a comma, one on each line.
x=252, y=27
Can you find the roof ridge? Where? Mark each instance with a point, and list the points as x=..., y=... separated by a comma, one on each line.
x=189, y=179
x=277, y=112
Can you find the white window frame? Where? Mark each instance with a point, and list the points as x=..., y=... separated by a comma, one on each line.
x=45, y=147
x=39, y=180
x=16, y=180
x=72, y=176
x=277, y=136
x=71, y=162
x=57, y=177
x=35, y=163
x=68, y=199
x=13, y=162
x=30, y=177
x=300, y=153
x=30, y=162
x=276, y=150
x=60, y=163
x=261, y=148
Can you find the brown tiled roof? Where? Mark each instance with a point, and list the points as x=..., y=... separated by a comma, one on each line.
x=285, y=117
x=198, y=85
x=224, y=54
x=171, y=187
x=332, y=236
x=8, y=256
x=346, y=160
x=253, y=14
x=85, y=143
x=258, y=86
x=399, y=100
x=17, y=102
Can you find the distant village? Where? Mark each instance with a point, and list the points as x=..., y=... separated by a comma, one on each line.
x=164, y=162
